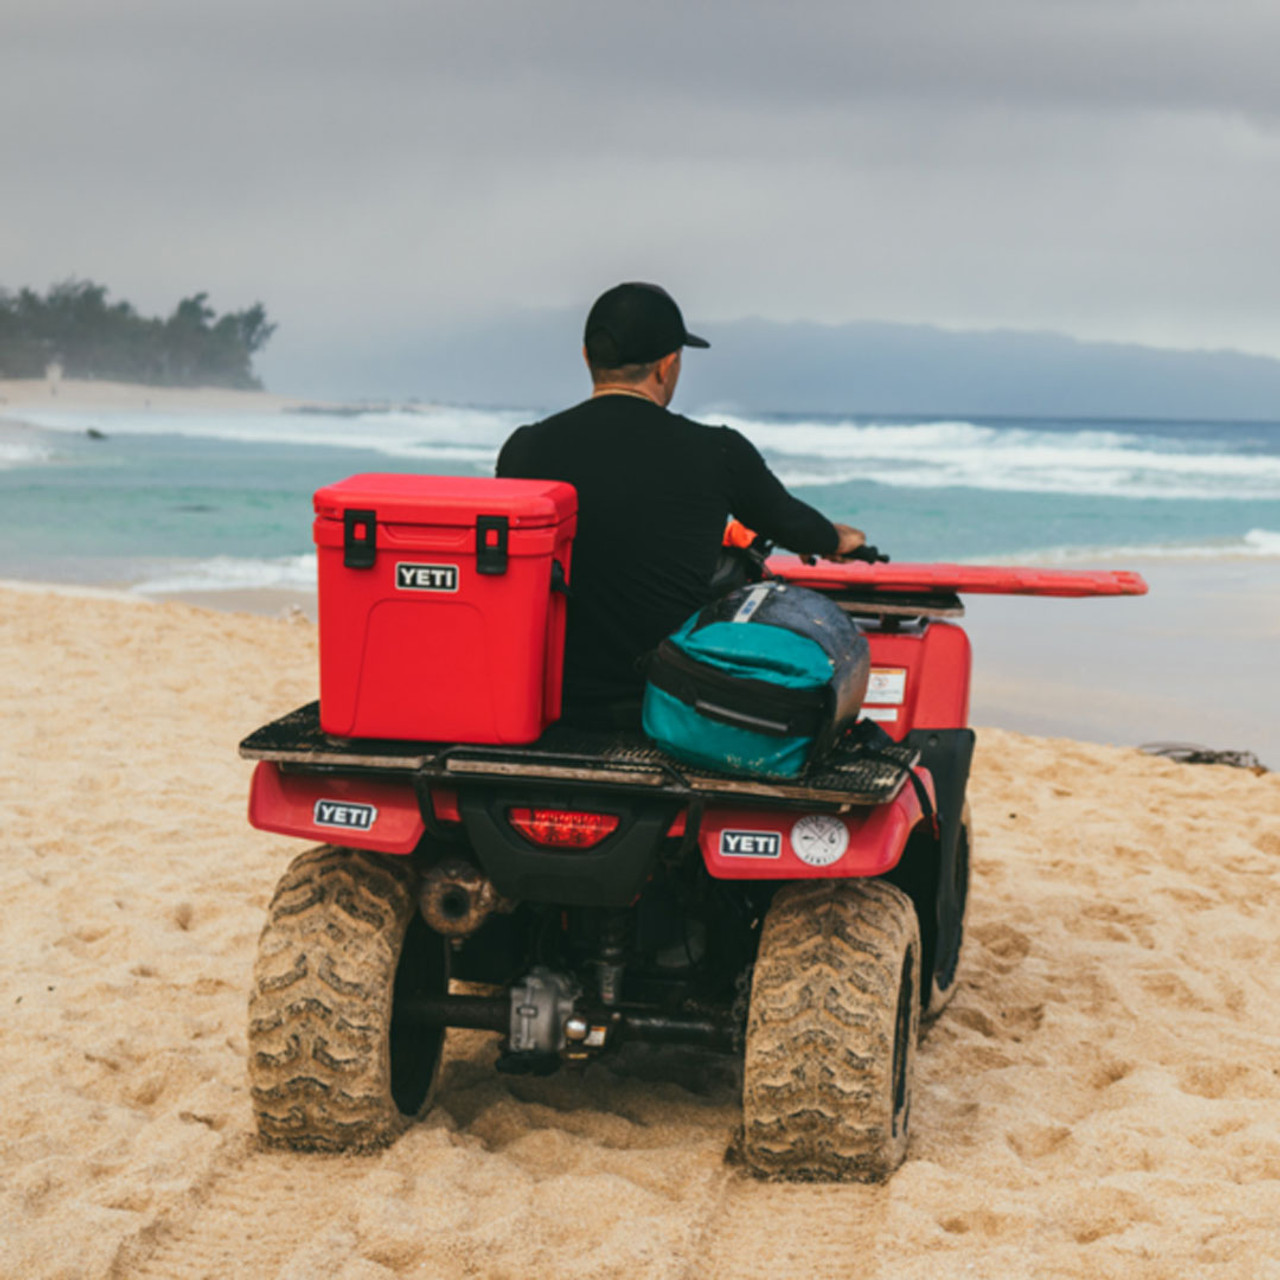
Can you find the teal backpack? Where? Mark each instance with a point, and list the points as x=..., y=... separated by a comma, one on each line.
x=759, y=683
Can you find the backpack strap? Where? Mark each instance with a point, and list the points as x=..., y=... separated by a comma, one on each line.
x=871, y=741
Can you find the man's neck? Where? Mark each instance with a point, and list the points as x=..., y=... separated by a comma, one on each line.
x=621, y=389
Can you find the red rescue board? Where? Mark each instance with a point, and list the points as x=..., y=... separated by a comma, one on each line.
x=977, y=579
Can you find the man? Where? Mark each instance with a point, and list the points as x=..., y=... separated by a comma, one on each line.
x=654, y=493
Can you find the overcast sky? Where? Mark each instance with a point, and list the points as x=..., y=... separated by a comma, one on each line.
x=1107, y=168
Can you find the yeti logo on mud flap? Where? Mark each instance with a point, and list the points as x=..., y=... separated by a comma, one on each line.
x=426, y=577
x=750, y=844
x=342, y=813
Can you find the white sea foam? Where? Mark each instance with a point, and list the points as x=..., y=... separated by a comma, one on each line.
x=927, y=455
x=23, y=455
x=73, y=590
x=441, y=433
x=228, y=573
x=1014, y=459
x=1262, y=542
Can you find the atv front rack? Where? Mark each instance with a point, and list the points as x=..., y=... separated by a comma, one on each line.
x=845, y=777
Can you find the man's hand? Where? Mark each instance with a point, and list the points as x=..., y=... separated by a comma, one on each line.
x=850, y=540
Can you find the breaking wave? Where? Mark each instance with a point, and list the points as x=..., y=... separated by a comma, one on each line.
x=1209, y=461
x=443, y=434
x=1022, y=458
x=23, y=455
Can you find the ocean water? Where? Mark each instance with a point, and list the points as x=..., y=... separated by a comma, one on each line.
x=177, y=502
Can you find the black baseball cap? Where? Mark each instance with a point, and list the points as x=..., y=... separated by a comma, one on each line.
x=635, y=324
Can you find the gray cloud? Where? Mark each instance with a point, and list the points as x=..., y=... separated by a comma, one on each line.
x=1152, y=53
x=1111, y=169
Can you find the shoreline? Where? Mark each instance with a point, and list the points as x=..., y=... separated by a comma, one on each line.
x=1191, y=661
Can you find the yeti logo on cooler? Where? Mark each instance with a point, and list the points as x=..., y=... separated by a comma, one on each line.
x=750, y=844
x=342, y=813
x=427, y=577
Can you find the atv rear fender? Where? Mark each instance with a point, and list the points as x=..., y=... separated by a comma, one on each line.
x=381, y=815
x=757, y=844
x=919, y=679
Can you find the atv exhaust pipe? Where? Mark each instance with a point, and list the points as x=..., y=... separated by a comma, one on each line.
x=456, y=898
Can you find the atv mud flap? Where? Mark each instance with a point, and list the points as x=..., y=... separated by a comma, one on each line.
x=948, y=755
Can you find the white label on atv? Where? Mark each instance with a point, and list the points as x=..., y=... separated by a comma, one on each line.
x=750, y=844
x=883, y=714
x=888, y=686
x=751, y=602
x=426, y=577
x=819, y=839
x=342, y=813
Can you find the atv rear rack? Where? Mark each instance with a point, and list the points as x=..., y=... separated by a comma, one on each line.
x=616, y=760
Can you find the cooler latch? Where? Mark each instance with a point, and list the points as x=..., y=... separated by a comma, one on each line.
x=491, y=544
x=359, y=538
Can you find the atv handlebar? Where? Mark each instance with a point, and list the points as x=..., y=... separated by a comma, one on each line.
x=868, y=554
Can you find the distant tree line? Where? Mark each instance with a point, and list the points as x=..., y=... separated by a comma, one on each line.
x=76, y=328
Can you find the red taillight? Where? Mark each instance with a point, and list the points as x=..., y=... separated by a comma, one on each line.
x=562, y=828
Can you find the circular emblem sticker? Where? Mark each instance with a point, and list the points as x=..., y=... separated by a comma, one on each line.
x=819, y=839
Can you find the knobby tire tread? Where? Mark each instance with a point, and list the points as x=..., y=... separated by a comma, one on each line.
x=819, y=1083
x=321, y=1006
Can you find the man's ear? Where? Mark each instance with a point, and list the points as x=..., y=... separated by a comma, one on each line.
x=668, y=366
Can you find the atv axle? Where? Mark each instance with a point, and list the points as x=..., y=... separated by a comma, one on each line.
x=493, y=1013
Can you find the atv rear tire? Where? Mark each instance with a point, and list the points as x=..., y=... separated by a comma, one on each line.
x=332, y=1067
x=831, y=1034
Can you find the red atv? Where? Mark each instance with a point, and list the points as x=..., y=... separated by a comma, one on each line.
x=586, y=890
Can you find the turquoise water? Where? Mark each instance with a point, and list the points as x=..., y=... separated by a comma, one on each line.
x=209, y=501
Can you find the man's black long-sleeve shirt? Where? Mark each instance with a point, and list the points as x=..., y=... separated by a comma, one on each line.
x=654, y=492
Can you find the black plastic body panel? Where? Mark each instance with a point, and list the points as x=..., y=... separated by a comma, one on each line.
x=609, y=875
x=948, y=755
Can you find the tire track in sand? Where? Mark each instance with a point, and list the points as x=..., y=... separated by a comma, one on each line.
x=773, y=1229
x=254, y=1220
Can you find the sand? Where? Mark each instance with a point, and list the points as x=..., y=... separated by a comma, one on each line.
x=1195, y=659
x=1101, y=1099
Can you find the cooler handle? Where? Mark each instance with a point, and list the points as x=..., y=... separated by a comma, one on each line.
x=491, y=552
x=359, y=538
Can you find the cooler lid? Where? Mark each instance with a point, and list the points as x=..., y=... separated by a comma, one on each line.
x=399, y=498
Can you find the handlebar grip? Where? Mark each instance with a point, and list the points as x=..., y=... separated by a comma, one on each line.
x=872, y=555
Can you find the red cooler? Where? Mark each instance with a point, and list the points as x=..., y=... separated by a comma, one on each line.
x=442, y=602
